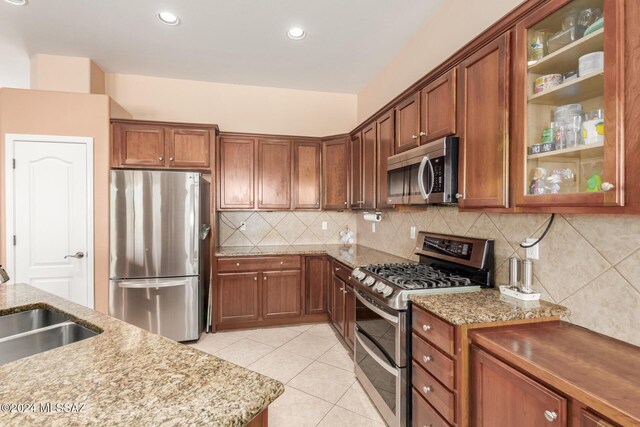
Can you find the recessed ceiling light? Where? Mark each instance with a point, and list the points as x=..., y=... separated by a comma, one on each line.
x=17, y=2
x=168, y=18
x=296, y=33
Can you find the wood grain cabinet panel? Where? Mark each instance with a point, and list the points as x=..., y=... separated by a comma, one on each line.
x=587, y=419
x=189, y=148
x=138, y=145
x=316, y=285
x=435, y=393
x=306, y=174
x=385, y=149
x=423, y=414
x=281, y=294
x=503, y=397
x=408, y=123
x=435, y=362
x=349, y=315
x=274, y=174
x=236, y=179
x=438, y=108
x=237, y=297
x=355, y=156
x=483, y=106
x=368, y=167
x=335, y=173
x=337, y=292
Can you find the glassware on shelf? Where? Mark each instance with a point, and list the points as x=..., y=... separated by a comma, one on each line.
x=593, y=127
x=588, y=17
x=538, y=44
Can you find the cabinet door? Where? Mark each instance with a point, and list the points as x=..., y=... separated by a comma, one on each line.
x=138, y=145
x=337, y=313
x=335, y=173
x=316, y=285
x=483, y=103
x=188, y=148
x=368, y=167
x=408, y=123
x=236, y=182
x=502, y=396
x=587, y=419
x=355, y=155
x=438, y=108
x=281, y=294
x=386, y=139
x=274, y=174
x=306, y=175
x=237, y=297
x=349, y=316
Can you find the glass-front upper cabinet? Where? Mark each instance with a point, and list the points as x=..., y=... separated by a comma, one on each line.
x=568, y=115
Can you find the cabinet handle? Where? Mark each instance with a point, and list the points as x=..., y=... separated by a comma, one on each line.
x=171, y=159
x=423, y=133
x=414, y=136
x=607, y=186
x=550, y=415
x=360, y=202
x=426, y=359
x=459, y=195
x=426, y=390
x=337, y=268
x=160, y=158
x=426, y=328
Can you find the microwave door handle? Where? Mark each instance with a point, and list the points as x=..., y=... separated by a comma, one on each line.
x=423, y=164
x=432, y=176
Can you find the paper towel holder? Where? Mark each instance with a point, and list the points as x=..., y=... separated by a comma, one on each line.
x=374, y=217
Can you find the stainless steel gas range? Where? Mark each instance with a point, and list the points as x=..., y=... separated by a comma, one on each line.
x=446, y=264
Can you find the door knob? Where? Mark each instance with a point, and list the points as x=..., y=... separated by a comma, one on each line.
x=76, y=255
x=550, y=415
x=414, y=136
x=423, y=133
x=171, y=159
x=607, y=186
x=160, y=158
x=459, y=196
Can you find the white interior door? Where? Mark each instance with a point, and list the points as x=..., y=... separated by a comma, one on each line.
x=52, y=218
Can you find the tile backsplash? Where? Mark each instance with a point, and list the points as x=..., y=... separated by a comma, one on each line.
x=283, y=228
x=590, y=264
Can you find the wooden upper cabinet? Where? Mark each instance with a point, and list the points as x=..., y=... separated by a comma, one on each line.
x=335, y=173
x=483, y=112
x=140, y=145
x=385, y=144
x=368, y=166
x=438, y=108
x=355, y=155
x=189, y=148
x=408, y=123
x=236, y=173
x=306, y=174
x=274, y=174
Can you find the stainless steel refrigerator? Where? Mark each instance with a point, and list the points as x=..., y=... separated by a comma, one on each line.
x=159, y=251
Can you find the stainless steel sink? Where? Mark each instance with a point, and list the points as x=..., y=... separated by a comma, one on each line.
x=31, y=332
x=17, y=323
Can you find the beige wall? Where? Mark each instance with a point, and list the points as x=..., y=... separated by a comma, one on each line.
x=66, y=74
x=66, y=114
x=455, y=24
x=235, y=108
x=588, y=263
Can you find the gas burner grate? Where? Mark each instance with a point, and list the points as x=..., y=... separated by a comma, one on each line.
x=417, y=276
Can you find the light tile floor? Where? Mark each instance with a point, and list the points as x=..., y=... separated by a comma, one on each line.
x=320, y=386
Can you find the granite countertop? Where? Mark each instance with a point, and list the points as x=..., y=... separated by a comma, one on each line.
x=126, y=376
x=353, y=256
x=484, y=306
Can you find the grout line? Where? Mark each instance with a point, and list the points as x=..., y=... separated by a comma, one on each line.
x=586, y=284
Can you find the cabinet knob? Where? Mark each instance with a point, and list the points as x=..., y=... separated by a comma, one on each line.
x=160, y=158
x=264, y=277
x=607, y=186
x=426, y=389
x=423, y=133
x=171, y=159
x=426, y=359
x=255, y=278
x=550, y=415
x=414, y=136
x=345, y=203
x=237, y=264
x=337, y=268
x=281, y=262
x=459, y=195
x=341, y=289
x=426, y=328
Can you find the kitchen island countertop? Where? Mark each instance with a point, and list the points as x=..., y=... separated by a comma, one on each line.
x=125, y=376
x=485, y=306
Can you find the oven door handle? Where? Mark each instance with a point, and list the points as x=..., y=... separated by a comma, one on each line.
x=376, y=310
x=423, y=190
x=387, y=367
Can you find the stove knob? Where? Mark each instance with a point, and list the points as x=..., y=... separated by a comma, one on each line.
x=378, y=284
x=387, y=292
x=355, y=272
x=369, y=281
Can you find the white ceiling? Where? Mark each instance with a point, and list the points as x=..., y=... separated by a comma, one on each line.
x=228, y=41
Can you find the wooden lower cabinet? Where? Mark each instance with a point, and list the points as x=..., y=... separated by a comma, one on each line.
x=316, y=285
x=237, y=297
x=587, y=419
x=423, y=413
x=502, y=396
x=337, y=296
x=350, y=316
x=280, y=294
x=343, y=311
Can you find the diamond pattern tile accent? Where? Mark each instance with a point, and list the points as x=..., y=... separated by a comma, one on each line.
x=290, y=227
x=484, y=228
x=629, y=268
x=615, y=237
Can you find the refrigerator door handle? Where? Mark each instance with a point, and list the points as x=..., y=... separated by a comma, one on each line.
x=195, y=219
x=147, y=285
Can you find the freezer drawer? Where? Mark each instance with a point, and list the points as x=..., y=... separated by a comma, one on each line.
x=170, y=307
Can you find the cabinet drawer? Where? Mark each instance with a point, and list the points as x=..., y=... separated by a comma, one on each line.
x=435, y=393
x=434, y=330
x=258, y=263
x=341, y=270
x=423, y=413
x=587, y=419
x=434, y=361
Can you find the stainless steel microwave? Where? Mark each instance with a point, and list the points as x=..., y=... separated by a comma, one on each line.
x=424, y=175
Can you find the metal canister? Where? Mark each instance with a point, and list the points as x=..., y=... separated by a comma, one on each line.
x=514, y=267
x=527, y=276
